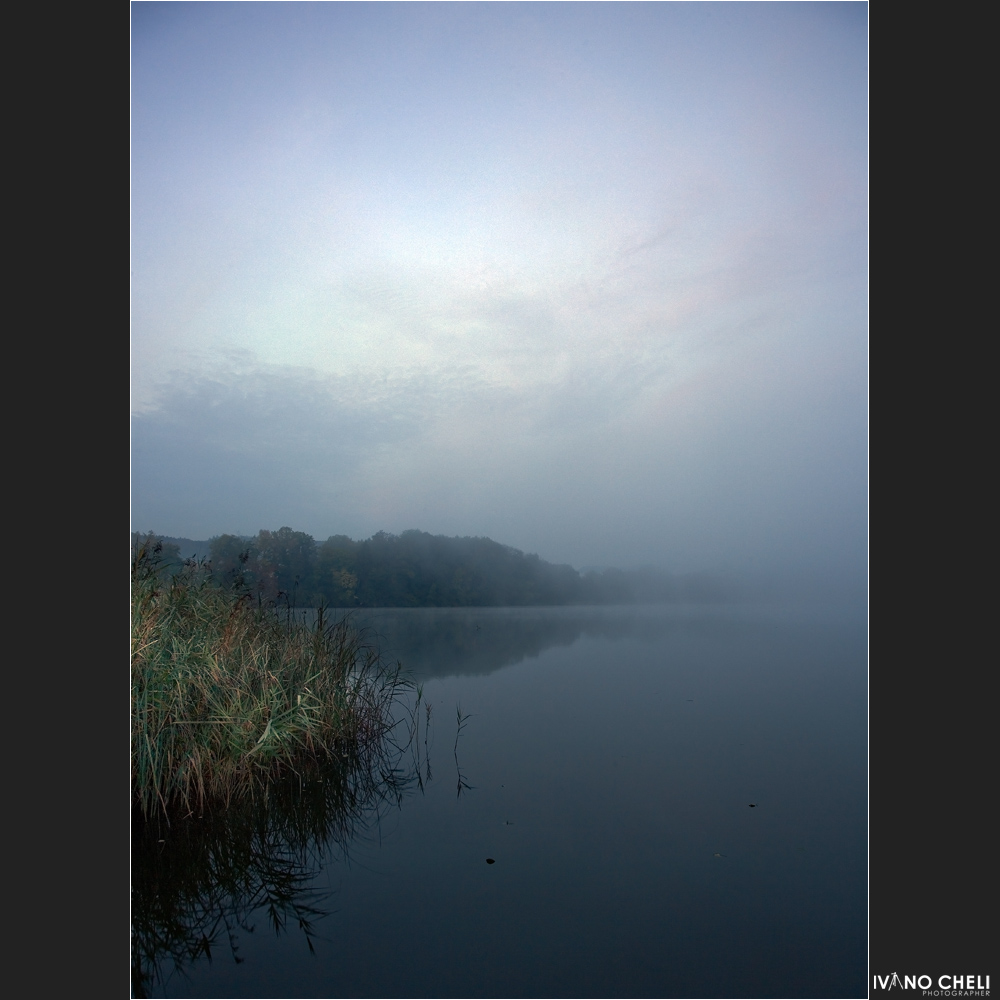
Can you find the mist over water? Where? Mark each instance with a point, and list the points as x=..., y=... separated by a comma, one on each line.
x=589, y=280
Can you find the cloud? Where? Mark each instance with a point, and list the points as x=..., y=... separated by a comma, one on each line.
x=257, y=445
x=589, y=279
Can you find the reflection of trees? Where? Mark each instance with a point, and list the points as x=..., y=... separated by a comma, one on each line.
x=439, y=642
x=200, y=882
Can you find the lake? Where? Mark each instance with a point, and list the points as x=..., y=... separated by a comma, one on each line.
x=663, y=802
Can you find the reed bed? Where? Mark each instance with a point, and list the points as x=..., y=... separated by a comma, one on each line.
x=230, y=694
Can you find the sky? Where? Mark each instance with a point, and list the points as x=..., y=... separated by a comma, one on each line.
x=588, y=279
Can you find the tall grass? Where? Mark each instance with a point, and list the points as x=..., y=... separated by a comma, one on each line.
x=229, y=695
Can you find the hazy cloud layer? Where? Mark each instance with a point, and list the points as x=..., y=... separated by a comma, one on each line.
x=589, y=279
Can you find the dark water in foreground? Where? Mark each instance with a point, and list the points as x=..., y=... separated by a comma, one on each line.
x=607, y=766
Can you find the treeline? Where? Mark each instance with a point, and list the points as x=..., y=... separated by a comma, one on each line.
x=415, y=569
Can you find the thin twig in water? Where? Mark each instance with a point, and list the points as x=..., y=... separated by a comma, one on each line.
x=462, y=720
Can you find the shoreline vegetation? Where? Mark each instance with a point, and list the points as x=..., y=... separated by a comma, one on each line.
x=232, y=692
x=232, y=695
x=416, y=569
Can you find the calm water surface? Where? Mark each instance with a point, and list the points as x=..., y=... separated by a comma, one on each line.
x=607, y=765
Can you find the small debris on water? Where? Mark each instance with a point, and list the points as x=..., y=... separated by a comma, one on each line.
x=490, y=861
x=753, y=805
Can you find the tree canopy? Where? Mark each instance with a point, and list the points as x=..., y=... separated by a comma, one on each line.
x=413, y=569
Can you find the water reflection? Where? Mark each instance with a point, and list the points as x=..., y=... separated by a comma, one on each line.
x=422, y=759
x=443, y=642
x=202, y=883
x=461, y=721
x=613, y=779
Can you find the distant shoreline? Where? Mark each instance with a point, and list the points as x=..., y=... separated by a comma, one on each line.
x=419, y=570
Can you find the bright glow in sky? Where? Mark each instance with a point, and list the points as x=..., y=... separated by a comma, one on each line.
x=587, y=278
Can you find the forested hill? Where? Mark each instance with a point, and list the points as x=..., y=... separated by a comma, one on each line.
x=416, y=569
